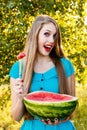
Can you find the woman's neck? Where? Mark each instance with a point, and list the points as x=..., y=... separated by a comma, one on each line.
x=43, y=59
x=42, y=64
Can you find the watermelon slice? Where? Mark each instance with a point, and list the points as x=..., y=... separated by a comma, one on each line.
x=21, y=55
x=45, y=105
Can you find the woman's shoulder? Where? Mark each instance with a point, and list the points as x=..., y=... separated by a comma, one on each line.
x=14, y=71
x=65, y=60
x=68, y=66
x=15, y=65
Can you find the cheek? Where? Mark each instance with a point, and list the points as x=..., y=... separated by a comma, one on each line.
x=41, y=39
x=39, y=45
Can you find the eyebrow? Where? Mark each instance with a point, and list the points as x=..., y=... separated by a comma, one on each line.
x=50, y=31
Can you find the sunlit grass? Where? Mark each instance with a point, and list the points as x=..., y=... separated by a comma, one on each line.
x=80, y=117
x=7, y=123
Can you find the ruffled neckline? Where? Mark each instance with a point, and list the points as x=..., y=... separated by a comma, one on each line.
x=46, y=75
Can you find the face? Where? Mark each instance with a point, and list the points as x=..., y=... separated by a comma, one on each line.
x=46, y=39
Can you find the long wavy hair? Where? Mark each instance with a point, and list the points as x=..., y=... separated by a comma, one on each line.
x=31, y=50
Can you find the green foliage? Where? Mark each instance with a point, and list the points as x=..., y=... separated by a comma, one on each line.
x=17, y=17
x=7, y=123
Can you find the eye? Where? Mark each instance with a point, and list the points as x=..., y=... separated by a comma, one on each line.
x=46, y=34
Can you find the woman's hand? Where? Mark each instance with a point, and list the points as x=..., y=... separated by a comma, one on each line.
x=49, y=122
x=19, y=88
x=56, y=121
x=18, y=92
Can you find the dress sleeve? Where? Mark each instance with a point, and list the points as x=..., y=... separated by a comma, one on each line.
x=14, y=72
x=68, y=67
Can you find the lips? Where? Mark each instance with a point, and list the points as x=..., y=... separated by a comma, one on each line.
x=48, y=47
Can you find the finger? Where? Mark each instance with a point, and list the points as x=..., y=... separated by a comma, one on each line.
x=18, y=90
x=56, y=121
x=20, y=84
x=49, y=121
x=44, y=121
x=18, y=80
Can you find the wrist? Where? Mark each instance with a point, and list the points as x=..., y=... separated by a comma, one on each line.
x=20, y=101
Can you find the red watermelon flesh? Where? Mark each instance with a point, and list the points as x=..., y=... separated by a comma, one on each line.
x=47, y=96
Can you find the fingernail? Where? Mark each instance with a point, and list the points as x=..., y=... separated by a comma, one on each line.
x=42, y=120
x=22, y=80
x=48, y=119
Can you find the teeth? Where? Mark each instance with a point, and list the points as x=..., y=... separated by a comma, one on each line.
x=48, y=46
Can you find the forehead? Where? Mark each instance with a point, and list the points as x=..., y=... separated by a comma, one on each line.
x=49, y=27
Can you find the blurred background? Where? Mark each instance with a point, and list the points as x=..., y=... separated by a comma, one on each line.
x=16, y=17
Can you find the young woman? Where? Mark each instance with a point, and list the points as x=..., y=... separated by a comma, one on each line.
x=46, y=69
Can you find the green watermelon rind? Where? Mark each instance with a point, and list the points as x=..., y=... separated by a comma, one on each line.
x=60, y=112
x=44, y=110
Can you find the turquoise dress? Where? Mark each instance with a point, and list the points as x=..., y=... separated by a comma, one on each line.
x=47, y=81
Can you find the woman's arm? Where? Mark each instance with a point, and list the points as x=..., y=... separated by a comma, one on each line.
x=17, y=93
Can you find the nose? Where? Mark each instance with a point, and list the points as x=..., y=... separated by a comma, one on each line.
x=51, y=39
